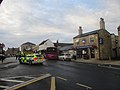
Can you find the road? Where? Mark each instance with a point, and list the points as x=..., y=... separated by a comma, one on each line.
x=59, y=75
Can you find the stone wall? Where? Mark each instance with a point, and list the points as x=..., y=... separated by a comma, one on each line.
x=105, y=48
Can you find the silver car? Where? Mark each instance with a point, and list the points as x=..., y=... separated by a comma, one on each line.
x=64, y=56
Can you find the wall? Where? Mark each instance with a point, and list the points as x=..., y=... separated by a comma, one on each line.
x=105, y=48
x=26, y=46
x=119, y=41
x=87, y=38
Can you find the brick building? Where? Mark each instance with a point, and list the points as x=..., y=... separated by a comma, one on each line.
x=95, y=44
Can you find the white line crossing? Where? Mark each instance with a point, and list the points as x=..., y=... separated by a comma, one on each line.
x=8, y=80
x=85, y=86
x=62, y=78
x=20, y=80
x=5, y=87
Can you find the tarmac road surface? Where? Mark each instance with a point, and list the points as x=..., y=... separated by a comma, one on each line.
x=62, y=75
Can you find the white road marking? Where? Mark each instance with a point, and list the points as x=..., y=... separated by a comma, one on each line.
x=85, y=86
x=15, y=77
x=52, y=83
x=11, y=80
x=5, y=87
x=29, y=76
x=62, y=78
x=28, y=82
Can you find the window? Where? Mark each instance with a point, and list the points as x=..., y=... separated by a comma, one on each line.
x=83, y=40
x=92, y=39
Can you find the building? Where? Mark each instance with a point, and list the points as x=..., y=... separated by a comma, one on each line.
x=43, y=45
x=119, y=40
x=68, y=49
x=95, y=44
x=27, y=46
x=114, y=46
x=60, y=45
x=12, y=51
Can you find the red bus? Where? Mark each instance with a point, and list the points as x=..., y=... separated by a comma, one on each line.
x=52, y=53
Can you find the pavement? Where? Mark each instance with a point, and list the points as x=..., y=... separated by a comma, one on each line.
x=114, y=63
x=8, y=62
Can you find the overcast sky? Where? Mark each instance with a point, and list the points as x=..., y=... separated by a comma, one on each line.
x=37, y=20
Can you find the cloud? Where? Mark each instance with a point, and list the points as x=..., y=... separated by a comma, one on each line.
x=89, y=17
x=37, y=20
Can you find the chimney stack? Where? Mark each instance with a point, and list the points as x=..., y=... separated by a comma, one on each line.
x=80, y=30
x=102, y=23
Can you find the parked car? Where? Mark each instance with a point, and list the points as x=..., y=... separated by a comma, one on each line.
x=65, y=56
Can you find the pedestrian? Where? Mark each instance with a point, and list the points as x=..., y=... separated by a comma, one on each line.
x=16, y=56
x=2, y=58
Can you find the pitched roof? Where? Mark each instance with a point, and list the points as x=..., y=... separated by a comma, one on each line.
x=86, y=34
x=62, y=44
x=43, y=42
x=68, y=47
x=28, y=43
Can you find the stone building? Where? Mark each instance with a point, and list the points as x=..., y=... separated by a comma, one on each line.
x=27, y=46
x=95, y=44
x=114, y=46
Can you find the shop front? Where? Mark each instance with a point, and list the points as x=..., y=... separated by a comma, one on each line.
x=86, y=52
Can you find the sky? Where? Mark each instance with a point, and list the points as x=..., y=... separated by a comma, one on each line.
x=37, y=20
